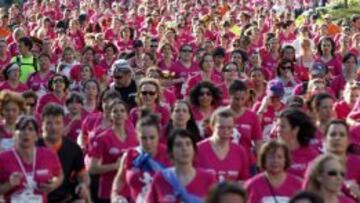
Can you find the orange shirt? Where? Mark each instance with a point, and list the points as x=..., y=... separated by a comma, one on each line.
x=333, y=29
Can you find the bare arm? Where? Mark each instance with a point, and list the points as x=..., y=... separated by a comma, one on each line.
x=97, y=168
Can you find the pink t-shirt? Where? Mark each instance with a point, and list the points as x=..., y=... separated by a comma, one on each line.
x=355, y=135
x=47, y=166
x=36, y=83
x=248, y=126
x=338, y=85
x=183, y=72
x=259, y=190
x=134, y=176
x=46, y=99
x=162, y=192
x=268, y=118
x=334, y=66
x=233, y=167
x=196, y=79
x=342, y=109
x=162, y=111
x=269, y=64
x=78, y=40
x=75, y=126
x=21, y=87
x=108, y=148
x=301, y=158
x=353, y=168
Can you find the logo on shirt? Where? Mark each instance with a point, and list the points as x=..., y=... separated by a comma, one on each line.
x=42, y=172
x=114, y=151
x=169, y=198
x=246, y=126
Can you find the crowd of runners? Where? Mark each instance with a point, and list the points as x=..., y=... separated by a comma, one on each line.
x=160, y=101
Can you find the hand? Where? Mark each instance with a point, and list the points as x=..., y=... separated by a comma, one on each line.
x=15, y=179
x=353, y=188
x=47, y=187
x=118, y=199
x=83, y=191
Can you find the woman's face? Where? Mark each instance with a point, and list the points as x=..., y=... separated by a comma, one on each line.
x=345, y=41
x=284, y=130
x=109, y=52
x=167, y=50
x=118, y=114
x=26, y=137
x=238, y=99
x=86, y=73
x=332, y=177
x=75, y=107
x=14, y=75
x=149, y=138
x=126, y=33
x=180, y=114
x=205, y=97
x=68, y=56
x=257, y=77
x=326, y=47
x=285, y=70
x=88, y=56
x=274, y=44
x=231, y=72
x=208, y=64
x=183, y=151
x=10, y=112
x=354, y=95
x=275, y=162
x=148, y=94
x=147, y=61
x=325, y=111
x=186, y=53
x=289, y=54
x=58, y=83
x=237, y=58
x=350, y=65
x=91, y=90
x=44, y=63
x=337, y=139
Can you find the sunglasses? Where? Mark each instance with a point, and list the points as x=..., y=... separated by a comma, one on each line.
x=186, y=50
x=59, y=80
x=31, y=104
x=151, y=93
x=118, y=77
x=335, y=173
x=230, y=70
x=207, y=93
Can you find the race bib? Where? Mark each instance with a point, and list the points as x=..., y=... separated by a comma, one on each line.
x=26, y=198
x=7, y=143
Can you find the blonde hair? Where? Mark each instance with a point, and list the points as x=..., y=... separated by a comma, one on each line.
x=316, y=169
x=146, y=81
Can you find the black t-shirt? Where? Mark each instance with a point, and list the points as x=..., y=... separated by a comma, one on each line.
x=128, y=94
x=72, y=161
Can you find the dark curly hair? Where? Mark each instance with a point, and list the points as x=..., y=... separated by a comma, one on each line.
x=215, y=93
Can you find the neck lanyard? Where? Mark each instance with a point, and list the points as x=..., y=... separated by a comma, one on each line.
x=22, y=167
x=271, y=189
